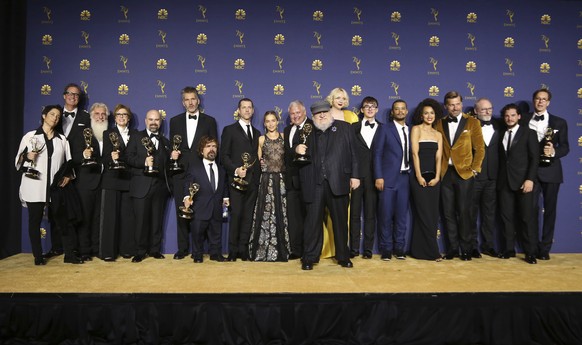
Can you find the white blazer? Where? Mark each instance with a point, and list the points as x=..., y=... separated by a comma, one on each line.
x=32, y=190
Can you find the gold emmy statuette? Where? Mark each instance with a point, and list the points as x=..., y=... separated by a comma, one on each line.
x=305, y=158
x=150, y=148
x=88, y=135
x=546, y=161
x=239, y=182
x=174, y=166
x=186, y=212
x=116, y=164
x=30, y=171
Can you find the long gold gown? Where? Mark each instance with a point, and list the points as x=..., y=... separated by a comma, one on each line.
x=328, y=249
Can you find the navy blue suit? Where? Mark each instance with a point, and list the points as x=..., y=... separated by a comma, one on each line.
x=394, y=200
x=207, y=207
x=550, y=178
x=206, y=126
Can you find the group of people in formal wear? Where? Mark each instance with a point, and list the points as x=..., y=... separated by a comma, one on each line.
x=334, y=185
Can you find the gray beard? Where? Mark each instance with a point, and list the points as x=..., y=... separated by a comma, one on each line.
x=98, y=128
x=323, y=125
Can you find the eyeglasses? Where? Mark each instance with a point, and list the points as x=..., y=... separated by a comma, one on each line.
x=369, y=107
x=68, y=93
x=541, y=99
x=122, y=114
x=486, y=109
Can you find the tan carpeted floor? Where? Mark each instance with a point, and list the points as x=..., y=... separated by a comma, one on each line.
x=563, y=273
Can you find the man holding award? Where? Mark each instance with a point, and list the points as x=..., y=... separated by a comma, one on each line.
x=326, y=182
x=86, y=152
x=186, y=130
x=295, y=204
x=552, y=133
x=239, y=140
x=148, y=157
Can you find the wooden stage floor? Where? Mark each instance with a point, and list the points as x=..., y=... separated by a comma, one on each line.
x=563, y=273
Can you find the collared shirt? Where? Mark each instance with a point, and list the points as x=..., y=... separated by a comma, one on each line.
x=540, y=126
x=405, y=155
x=244, y=125
x=294, y=130
x=191, y=125
x=506, y=136
x=368, y=132
x=124, y=134
x=68, y=121
x=154, y=140
x=214, y=169
x=488, y=132
x=452, y=131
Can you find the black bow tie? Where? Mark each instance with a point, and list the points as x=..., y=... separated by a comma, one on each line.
x=192, y=117
x=369, y=124
x=485, y=123
x=72, y=114
x=539, y=117
x=452, y=119
x=153, y=135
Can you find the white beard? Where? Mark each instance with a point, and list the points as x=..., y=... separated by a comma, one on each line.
x=98, y=128
x=323, y=125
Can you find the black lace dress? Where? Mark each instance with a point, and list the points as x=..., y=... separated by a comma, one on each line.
x=269, y=239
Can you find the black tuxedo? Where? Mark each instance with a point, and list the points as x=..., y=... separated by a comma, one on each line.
x=366, y=196
x=235, y=142
x=207, y=207
x=148, y=193
x=326, y=183
x=485, y=192
x=88, y=185
x=82, y=120
x=550, y=178
x=117, y=225
x=206, y=126
x=516, y=166
x=295, y=204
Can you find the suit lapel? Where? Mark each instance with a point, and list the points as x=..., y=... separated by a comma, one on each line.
x=460, y=128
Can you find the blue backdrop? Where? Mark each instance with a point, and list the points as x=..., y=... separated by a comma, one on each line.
x=143, y=53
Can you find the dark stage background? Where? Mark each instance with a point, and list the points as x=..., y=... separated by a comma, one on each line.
x=142, y=53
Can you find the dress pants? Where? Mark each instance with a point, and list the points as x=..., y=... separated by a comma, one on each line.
x=456, y=195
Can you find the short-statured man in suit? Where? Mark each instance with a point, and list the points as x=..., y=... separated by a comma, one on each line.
x=117, y=223
x=86, y=153
x=463, y=152
x=518, y=166
x=190, y=126
x=207, y=204
x=295, y=204
x=550, y=175
x=366, y=197
x=72, y=124
x=326, y=182
x=391, y=161
x=237, y=139
x=149, y=191
x=484, y=203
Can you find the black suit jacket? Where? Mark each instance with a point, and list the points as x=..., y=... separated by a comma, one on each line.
x=341, y=160
x=364, y=153
x=234, y=142
x=490, y=164
x=88, y=177
x=521, y=162
x=553, y=173
x=116, y=179
x=206, y=126
x=207, y=203
x=136, y=154
x=291, y=169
